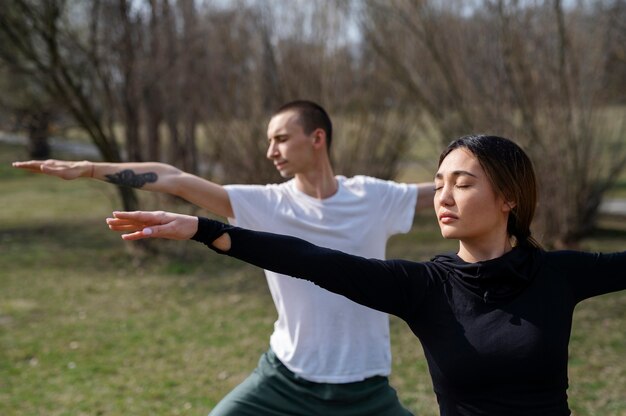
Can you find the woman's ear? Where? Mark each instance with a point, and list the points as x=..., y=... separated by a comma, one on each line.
x=508, y=206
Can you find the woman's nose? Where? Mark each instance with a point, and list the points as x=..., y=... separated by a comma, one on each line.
x=445, y=196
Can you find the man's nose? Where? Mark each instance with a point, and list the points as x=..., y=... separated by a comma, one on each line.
x=272, y=151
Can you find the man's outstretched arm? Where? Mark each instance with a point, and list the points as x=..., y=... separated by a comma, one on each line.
x=149, y=176
x=425, y=195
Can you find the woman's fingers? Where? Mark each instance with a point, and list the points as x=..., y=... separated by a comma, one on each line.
x=118, y=224
x=129, y=227
x=137, y=235
x=138, y=231
x=157, y=224
x=121, y=221
x=144, y=217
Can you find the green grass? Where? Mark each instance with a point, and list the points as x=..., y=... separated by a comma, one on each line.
x=91, y=326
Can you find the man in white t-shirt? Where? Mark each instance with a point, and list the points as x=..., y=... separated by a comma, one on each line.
x=328, y=355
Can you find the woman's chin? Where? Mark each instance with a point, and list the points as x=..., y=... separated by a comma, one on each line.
x=447, y=233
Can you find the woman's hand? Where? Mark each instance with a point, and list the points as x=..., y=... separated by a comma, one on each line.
x=153, y=224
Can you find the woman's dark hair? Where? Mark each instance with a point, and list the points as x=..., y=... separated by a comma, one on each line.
x=511, y=174
x=311, y=116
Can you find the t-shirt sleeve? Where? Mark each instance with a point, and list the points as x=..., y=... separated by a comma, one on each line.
x=397, y=203
x=252, y=205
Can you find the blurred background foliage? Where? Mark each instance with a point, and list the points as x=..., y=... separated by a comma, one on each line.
x=192, y=83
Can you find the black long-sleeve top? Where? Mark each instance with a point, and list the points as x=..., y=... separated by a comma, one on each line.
x=495, y=333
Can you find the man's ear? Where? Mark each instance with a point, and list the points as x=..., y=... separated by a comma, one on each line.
x=319, y=138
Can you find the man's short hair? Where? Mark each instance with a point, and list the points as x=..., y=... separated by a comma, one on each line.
x=311, y=116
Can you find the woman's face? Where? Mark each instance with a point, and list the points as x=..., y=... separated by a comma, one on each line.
x=467, y=207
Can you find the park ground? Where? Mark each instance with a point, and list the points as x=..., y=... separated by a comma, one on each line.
x=89, y=325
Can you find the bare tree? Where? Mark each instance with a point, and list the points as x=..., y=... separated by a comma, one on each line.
x=128, y=47
x=531, y=71
x=37, y=40
x=31, y=108
x=373, y=142
x=579, y=153
x=371, y=135
x=154, y=70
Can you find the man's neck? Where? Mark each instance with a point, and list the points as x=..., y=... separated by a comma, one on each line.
x=320, y=184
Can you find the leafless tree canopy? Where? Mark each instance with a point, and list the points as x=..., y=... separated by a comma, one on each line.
x=533, y=71
x=193, y=83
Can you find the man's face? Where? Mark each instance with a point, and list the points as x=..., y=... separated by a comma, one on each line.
x=290, y=149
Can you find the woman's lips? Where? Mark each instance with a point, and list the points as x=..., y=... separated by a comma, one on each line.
x=447, y=218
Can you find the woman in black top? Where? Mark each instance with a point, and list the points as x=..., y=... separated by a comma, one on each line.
x=494, y=319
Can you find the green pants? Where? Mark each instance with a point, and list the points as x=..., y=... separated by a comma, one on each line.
x=274, y=390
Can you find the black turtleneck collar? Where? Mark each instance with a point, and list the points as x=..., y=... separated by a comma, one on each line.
x=493, y=280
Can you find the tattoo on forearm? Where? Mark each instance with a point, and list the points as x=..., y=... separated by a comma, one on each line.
x=128, y=177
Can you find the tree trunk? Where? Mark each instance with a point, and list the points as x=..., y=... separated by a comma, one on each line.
x=38, y=127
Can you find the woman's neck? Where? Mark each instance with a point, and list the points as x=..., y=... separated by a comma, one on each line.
x=474, y=251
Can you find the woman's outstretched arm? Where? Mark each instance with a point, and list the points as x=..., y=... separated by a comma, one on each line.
x=389, y=286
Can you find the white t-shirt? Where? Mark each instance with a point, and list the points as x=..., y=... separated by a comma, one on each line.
x=320, y=336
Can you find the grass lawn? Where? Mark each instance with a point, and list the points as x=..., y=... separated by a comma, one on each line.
x=90, y=326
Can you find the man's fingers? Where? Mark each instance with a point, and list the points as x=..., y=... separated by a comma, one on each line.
x=50, y=168
x=27, y=163
x=32, y=166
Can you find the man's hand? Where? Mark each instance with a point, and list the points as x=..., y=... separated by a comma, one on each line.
x=59, y=168
x=153, y=224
